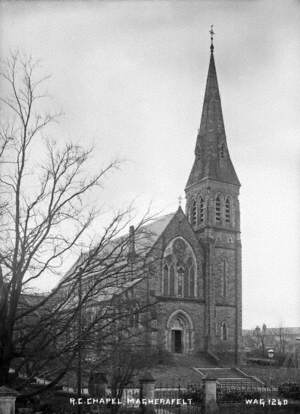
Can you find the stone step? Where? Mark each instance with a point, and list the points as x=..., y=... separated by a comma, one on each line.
x=218, y=372
x=239, y=382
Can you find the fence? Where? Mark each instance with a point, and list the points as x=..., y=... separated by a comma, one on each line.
x=180, y=399
x=230, y=394
x=241, y=393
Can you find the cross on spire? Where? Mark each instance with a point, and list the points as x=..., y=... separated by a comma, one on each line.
x=212, y=33
x=179, y=200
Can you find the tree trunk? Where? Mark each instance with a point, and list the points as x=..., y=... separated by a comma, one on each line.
x=6, y=356
x=4, y=371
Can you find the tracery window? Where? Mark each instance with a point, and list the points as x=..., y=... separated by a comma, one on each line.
x=218, y=209
x=227, y=210
x=179, y=270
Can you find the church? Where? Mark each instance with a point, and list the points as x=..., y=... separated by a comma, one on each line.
x=196, y=277
x=192, y=277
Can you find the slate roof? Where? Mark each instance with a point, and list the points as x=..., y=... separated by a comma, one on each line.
x=151, y=232
x=145, y=238
x=211, y=137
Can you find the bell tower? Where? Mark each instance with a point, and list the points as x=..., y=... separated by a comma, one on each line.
x=212, y=208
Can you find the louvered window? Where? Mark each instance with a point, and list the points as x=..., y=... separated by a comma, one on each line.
x=194, y=213
x=227, y=210
x=201, y=210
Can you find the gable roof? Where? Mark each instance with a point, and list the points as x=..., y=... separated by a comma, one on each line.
x=151, y=232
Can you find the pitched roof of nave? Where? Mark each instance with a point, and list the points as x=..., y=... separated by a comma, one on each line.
x=144, y=239
x=212, y=159
x=152, y=231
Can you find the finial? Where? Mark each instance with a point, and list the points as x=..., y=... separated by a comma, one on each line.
x=179, y=201
x=211, y=38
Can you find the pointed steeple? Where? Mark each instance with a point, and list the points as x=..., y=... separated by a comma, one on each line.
x=212, y=158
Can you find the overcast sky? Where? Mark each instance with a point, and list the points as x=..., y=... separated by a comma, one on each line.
x=130, y=78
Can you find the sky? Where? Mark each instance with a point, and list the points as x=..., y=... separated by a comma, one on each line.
x=130, y=78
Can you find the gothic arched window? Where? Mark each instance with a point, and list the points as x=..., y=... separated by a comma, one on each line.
x=191, y=281
x=134, y=319
x=178, y=273
x=166, y=280
x=224, y=279
x=180, y=281
x=194, y=213
x=172, y=281
x=201, y=210
x=186, y=282
x=218, y=209
x=227, y=210
x=224, y=333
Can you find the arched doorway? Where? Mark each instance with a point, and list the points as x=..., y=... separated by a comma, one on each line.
x=180, y=333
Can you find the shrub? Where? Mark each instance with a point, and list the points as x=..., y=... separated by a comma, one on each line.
x=194, y=394
x=289, y=390
x=237, y=396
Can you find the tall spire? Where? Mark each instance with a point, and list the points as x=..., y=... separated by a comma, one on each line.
x=212, y=158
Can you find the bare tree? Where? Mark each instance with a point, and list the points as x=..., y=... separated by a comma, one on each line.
x=46, y=217
x=282, y=340
x=261, y=335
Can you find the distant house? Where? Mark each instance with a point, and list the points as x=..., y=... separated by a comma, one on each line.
x=282, y=339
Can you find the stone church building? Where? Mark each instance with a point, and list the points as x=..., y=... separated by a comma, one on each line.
x=193, y=281
x=196, y=279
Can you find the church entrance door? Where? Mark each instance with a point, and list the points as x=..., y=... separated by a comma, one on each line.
x=177, y=341
x=179, y=333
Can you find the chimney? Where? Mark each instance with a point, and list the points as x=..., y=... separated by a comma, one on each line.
x=131, y=246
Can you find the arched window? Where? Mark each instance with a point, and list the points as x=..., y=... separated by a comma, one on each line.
x=186, y=282
x=227, y=210
x=191, y=281
x=201, y=210
x=178, y=273
x=134, y=319
x=166, y=280
x=180, y=281
x=172, y=281
x=224, y=279
x=218, y=209
x=224, y=331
